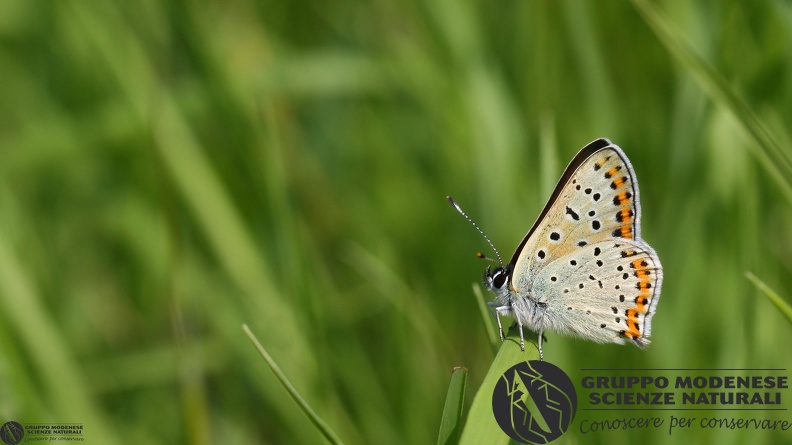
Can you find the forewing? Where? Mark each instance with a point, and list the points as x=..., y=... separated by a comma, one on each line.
x=596, y=198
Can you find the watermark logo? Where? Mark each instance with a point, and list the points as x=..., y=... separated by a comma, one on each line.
x=534, y=402
x=11, y=433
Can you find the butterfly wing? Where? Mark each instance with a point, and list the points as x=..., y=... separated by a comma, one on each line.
x=606, y=291
x=596, y=201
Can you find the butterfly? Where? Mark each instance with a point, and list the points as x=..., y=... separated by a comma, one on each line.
x=583, y=269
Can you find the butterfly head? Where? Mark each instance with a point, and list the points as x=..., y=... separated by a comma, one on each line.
x=497, y=281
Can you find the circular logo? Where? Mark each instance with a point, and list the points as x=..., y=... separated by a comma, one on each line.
x=11, y=433
x=534, y=402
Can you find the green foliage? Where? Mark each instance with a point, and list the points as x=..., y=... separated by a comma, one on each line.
x=782, y=306
x=172, y=170
x=451, y=423
x=481, y=426
x=320, y=424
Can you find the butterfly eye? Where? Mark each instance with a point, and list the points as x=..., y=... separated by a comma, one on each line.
x=499, y=278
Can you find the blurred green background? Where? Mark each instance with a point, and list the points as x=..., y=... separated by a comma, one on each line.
x=172, y=170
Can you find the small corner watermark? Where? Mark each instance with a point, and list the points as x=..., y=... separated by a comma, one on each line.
x=12, y=433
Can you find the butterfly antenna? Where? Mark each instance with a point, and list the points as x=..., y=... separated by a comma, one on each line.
x=485, y=257
x=479, y=254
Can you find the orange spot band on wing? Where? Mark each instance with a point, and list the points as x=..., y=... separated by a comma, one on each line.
x=625, y=232
x=632, y=331
x=612, y=172
x=618, y=182
x=624, y=215
x=622, y=198
x=643, y=273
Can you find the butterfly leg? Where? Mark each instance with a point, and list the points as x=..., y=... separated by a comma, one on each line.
x=500, y=327
x=493, y=305
x=541, y=330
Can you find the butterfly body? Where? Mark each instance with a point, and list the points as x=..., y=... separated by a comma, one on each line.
x=583, y=269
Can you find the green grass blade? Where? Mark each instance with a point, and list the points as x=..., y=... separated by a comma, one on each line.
x=481, y=426
x=320, y=424
x=771, y=295
x=451, y=423
x=487, y=317
x=768, y=151
x=51, y=355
